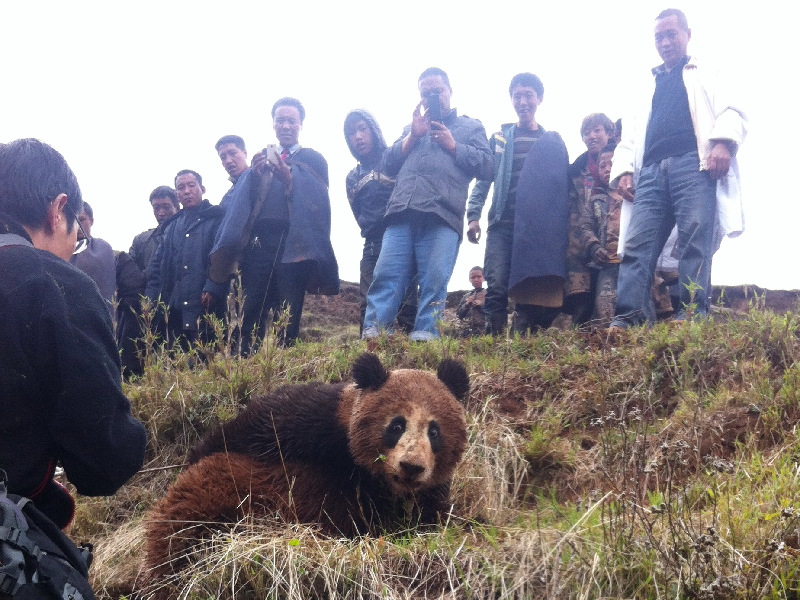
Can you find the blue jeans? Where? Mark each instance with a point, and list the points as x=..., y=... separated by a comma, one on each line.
x=671, y=192
x=408, y=309
x=422, y=243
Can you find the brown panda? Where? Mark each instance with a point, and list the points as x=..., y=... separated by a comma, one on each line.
x=360, y=458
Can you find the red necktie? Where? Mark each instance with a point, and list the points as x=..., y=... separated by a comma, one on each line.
x=284, y=155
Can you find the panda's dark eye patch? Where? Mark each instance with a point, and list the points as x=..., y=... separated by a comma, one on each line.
x=435, y=436
x=394, y=431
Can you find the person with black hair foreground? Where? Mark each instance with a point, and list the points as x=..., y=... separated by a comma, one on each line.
x=178, y=274
x=527, y=234
x=434, y=161
x=61, y=398
x=676, y=166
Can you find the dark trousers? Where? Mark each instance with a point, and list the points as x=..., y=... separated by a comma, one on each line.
x=292, y=283
x=530, y=318
x=260, y=268
x=497, y=268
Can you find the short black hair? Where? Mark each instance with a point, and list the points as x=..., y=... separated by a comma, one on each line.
x=433, y=72
x=164, y=191
x=32, y=175
x=230, y=139
x=675, y=12
x=87, y=210
x=189, y=172
x=593, y=120
x=476, y=268
x=289, y=101
x=527, y=80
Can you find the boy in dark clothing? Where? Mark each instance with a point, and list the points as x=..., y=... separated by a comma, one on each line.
x=368, y=191
x=470, y=309
x=61, y=396
x=599, y=235
x=179, y=270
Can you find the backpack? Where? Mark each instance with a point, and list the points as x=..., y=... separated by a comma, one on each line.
x=37, y=560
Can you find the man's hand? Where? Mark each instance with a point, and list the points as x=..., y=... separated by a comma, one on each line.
x=259, y=164
x=279, y=168
x=625, y=186
x=601, y=256
x=474, y=232
x=419, y=127
x=419, y=124
x=207, y=300
x=719, y=160
x=442, y=136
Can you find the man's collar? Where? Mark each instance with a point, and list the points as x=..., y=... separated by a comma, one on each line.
x=661, y=69
x=293, y=149
x=450, y=117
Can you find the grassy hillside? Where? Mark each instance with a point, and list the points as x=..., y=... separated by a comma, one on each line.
x=653, y=463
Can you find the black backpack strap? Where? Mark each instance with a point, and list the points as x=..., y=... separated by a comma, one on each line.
x=50, y=567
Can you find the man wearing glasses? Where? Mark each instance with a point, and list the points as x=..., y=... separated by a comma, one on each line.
x=60, y=386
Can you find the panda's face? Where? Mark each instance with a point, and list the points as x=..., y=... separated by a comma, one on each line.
x=411, y=432
x=410, y=443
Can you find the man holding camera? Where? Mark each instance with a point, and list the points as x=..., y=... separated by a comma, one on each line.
x=434, y=161
x=60, y=388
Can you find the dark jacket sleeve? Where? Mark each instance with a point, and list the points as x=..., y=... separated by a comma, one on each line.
x=155, y=281
x=587, y=230
x=99, y=443
x=393, y=157
x=463, y=309
x=473, y=156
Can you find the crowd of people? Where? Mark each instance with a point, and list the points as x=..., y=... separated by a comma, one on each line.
x=561, y=237
x=603, y=239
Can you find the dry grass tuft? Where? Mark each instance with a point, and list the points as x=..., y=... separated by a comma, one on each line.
x=657, y=463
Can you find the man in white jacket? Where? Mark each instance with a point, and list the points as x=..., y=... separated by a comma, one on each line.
x=679, y=157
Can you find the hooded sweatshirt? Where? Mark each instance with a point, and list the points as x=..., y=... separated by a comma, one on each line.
x=368, y=189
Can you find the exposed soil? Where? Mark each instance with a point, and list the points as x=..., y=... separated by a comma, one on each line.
x=344, y=308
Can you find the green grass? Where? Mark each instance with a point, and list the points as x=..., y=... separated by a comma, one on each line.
x=660, y=463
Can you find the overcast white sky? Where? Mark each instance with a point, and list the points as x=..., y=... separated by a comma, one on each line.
x=131, y=93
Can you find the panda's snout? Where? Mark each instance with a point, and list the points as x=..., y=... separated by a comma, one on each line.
x=410, y=470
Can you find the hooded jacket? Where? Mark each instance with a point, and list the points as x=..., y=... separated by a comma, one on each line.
x=368, y=189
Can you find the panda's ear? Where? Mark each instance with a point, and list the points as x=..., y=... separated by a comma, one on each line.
x=455, y=377
x=368, y=372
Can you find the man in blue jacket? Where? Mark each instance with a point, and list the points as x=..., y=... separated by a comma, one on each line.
x=179, y=271
x=527, y=233
x=434, y=162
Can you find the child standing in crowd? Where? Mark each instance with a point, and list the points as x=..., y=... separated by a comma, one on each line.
x=470, y=309
x=599, y=234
